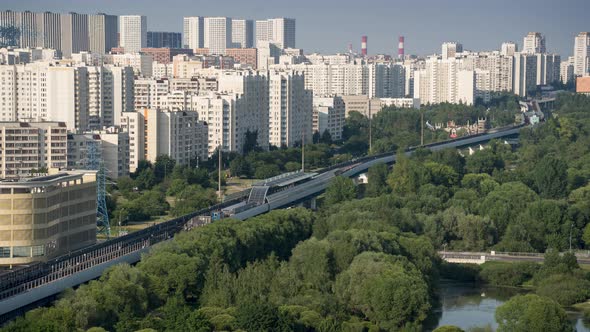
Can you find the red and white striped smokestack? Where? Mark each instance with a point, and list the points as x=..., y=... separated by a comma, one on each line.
x=364, y=45
x=400, y=48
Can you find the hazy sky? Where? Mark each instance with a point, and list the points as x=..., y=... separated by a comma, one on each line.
x=329, y=25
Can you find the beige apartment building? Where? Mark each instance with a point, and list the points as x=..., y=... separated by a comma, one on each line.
x=47, y=216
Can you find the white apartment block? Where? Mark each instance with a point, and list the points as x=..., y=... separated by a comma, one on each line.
x=149, y=92
x=28, y=146
x=386, y=80
x=110, y=92
x=74, y=34
x=450, y=49
x=493, y=72
x=548, y=66
x=132, y=32
x=566, y=71
x=290, y=109
x=217, y=34
x=524, y=73
x=111, y=147
x=84, y=97
x=39, y=92
x=242, y=33
x=534, y=42
x=193, y=32
x=280, y=31
x=329, y=114
x=508, y=49
x=443, y=81
x=582, y=54
x=178, y=134
x=251, y=105
x=162, y=70
x=102, y=33
x=141, y=63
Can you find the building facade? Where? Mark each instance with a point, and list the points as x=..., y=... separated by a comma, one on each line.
x=30, y=146
x=47, y=217
x=132, y=32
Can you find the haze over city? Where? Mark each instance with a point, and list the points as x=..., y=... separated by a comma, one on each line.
x=329, y=26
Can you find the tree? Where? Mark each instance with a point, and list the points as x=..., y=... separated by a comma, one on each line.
x=163, y=167
x=250, y=142
x=257, y=316
x=240, y=167
x=266, y=171
x=550, y=177
x=485, y=161
x=531, y=313
x=586, y=236
x=564, y=289
x=339, y=190
x=326, y=137
x=377, y=175
x=407, y=176
x=388, y=290
x=448, y=328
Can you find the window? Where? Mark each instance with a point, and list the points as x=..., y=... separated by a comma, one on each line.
x=4, y=252
x=21, y=252
x=38, y=251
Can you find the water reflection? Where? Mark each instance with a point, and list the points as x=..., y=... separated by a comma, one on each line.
x=469, y=305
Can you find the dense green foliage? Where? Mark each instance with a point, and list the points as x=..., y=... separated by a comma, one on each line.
x=531, y=313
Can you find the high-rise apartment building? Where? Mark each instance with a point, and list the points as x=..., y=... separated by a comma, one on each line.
x=280, y=31
x=242, y=33
x=329, y=114
x=132, y=32
x=508, y=48
x=443, y=81
x=450, y=49
x=154, y=132
x=566, y=71
x=158, y=39
x=29, y=146
x=582, y=54
x=290, y=109
x=52, y=31
x=193, y=32
x=74, y=34
x=102, y=30
x=548, y=66
x=534, y=42
x=524, y=73
x=218, y=34
x=84, y=97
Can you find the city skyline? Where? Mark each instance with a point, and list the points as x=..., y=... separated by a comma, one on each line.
x=357, y=19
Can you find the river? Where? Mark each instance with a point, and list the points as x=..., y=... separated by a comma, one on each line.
x=469, y=305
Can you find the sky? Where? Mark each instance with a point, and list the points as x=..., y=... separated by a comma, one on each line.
x=328, y=26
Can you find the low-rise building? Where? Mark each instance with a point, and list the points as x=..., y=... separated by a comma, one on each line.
x=44, y=217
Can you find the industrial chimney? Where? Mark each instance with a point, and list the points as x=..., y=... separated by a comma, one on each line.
x=400, y=48
x=364, y=46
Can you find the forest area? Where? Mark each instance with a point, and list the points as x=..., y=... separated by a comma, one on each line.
x=367, y=259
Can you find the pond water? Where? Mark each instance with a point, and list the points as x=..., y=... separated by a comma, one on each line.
x=469, y=305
